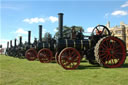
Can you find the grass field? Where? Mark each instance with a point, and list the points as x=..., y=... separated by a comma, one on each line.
x=14, y=71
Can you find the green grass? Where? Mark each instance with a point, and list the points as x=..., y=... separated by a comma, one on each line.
x=14, y=71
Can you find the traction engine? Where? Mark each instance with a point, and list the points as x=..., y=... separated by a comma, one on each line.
x=100, y=48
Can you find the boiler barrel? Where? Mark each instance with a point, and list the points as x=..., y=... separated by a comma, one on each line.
x=46, y=45
x=78, y=44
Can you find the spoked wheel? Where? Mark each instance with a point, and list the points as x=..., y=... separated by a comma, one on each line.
x=45, y=55
x=69, y=58
x=56, y=57
x=31, y=54
x=101, y=30
x=110, y=52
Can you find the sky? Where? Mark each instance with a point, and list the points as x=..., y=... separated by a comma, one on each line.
x=17, y=17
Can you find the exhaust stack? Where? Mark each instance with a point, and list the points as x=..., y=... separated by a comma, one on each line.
x=60, y=15
x=7, y=44
x=15, y=43
x=29, y=37
x=20, y=40
x=10, y=43
x=40, y=32
x=35, y=39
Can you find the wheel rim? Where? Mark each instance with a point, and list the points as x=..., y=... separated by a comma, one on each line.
x=56, y=56
x=31, y=54
x=112, y=52
x=69, y=58
x=45, y=55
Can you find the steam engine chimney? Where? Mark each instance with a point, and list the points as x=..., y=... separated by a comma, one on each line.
x=7, y=44
x=20, y=40
x=35, y=39
x=60, y=15
x=29, y=37
x=10, y=43
x=40, y=32
x=15, y=43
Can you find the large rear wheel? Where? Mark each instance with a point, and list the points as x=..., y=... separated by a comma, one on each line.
x=110, y=52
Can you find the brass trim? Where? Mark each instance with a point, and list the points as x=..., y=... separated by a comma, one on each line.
x=43, y=45
x=66, y=42
x=74, y=44
x=81, y=44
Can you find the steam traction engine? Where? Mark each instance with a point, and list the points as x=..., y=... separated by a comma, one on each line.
x=7, y=49
x=10, y=49
x=100, y=47
x=30, y=51
x=45, y=49
x=14, y=49
x=20, y=49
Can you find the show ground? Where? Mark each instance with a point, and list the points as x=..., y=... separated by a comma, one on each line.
x=15, y=71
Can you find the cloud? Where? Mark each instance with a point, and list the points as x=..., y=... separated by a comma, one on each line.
x=34, y=20
x=55, y=30
x=119, y=12
x=125, y=4
x=21, y=31
x=40, y=20
x=53, y=19
x=89, y=29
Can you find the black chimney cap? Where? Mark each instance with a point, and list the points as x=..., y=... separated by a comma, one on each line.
x=60, y=14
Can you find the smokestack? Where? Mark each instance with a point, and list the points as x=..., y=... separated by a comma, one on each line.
x=29, y=37
x=20, y=40
x=15, y=43
x=40, y=32
x=7, y=44
x=35, y=39
x=60, y=15
x=10, y=43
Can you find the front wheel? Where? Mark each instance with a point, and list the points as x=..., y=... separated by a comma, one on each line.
x=45, y=55
x=31, y=54
x=69, y=58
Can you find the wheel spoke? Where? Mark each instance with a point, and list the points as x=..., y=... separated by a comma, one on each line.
x=107, y=43
x=102, y=54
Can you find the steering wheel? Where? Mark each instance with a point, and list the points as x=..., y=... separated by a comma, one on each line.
x=101, y=30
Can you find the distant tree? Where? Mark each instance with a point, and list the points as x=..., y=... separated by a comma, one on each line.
x=68, y=30
x=78, y=28
x=47, y=36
